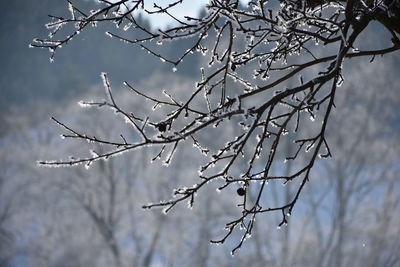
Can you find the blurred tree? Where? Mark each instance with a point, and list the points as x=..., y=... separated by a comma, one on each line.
x=247, y=45
x=58, y=217
x=27, y=78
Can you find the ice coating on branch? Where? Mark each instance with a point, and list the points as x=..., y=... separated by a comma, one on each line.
x=83, y=104
x=128, y=26
x=71, y=10
x=87, y=165
x=278, y=43
x=103, y=76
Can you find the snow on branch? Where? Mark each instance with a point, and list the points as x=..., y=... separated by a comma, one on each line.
x=271, y=53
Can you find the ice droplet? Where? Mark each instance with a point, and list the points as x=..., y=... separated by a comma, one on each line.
x=127, y=26
x=174, y=69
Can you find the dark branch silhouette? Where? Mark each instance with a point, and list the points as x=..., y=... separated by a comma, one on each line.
x=253, y=52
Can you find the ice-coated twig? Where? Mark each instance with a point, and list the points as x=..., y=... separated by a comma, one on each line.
x=267, y=111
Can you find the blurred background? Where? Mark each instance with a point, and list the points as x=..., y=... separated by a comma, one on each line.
x=348, y=215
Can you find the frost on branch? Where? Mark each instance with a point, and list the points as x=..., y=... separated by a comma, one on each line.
x=265, y=79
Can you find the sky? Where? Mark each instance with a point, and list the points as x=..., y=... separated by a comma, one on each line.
x=187, y=8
